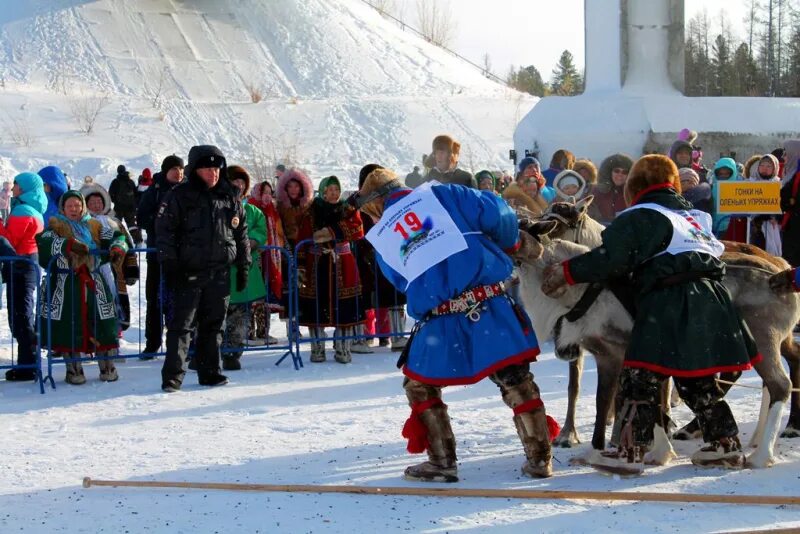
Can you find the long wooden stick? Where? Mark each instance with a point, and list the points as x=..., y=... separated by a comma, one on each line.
x=458, y=492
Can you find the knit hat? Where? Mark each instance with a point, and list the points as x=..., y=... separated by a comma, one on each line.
x=325, y=182
x=689, y=176
x=235, y=172
x=170, y=162
x=121, y=169
x=530, y=160
x=648, y=171
x=147, y=174
x=486, y=175
x=72, y=193
x=445, y=142
x=281, y=168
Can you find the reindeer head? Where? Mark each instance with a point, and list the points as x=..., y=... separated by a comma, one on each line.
x=531, y=234
x=568, y=214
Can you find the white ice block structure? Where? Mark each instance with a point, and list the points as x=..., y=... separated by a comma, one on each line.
x=633, y=102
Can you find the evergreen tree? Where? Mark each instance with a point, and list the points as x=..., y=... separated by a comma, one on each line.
x=746, y=81
x=722, y=79
x=566, y=80
x=792, y=81
x=529, y=80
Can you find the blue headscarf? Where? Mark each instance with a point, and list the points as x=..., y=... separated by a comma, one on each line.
x=32, y=202
x=80, y=228
x=55, y=179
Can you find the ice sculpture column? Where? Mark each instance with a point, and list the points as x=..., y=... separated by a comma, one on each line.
x=648, y=27
x=603, y=46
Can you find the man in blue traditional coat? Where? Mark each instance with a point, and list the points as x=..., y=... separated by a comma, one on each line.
x=446, y=247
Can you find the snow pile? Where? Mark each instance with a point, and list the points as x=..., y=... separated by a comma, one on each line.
x=337, y=86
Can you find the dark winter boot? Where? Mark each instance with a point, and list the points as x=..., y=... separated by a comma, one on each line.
x=108, y=371
x=213, y=379
x=441, y=464
x=20, y=375
x=231, y=363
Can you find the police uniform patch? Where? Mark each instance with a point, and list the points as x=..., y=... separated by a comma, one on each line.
x=161, y=209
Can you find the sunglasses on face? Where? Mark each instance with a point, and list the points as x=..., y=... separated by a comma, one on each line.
x=620, y=171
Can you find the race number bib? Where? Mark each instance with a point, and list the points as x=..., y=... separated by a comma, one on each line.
x=416, y=233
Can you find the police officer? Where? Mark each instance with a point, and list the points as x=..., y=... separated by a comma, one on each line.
x=200, y=233
x=171, y=175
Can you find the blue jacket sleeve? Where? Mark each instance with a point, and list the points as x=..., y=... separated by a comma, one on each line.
x=492, y=215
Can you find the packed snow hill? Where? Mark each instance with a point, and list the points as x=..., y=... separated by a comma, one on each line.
x=325, y=84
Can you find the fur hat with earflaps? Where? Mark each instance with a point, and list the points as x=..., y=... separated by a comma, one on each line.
x=445, y=142
x=650, y=171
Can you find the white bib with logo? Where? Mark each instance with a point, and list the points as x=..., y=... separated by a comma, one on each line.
x=416, y=233
x=691, y=231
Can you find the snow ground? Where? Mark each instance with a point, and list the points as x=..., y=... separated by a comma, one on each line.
x=326, y=424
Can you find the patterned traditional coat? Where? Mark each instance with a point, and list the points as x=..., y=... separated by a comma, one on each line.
x=330, y=294
x=78, y=311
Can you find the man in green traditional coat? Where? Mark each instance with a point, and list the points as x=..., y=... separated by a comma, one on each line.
x=685, y=325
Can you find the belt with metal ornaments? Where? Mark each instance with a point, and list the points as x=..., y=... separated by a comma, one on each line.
x=469, y=301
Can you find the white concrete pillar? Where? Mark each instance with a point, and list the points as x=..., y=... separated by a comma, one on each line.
x=603, y=42
x=648, y=48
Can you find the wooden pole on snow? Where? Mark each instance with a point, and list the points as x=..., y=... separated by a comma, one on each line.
x=772, y=500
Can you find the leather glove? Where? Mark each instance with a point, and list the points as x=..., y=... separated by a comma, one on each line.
x=553, y=281
x=241, y=278
x=782, y=282
x=323, y=236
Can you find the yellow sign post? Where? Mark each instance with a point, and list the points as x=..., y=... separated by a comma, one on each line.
x=749, y=198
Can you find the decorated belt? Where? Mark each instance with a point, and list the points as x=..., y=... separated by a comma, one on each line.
x=469, y=301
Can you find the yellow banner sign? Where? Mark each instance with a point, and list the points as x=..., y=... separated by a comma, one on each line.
x=749, y=198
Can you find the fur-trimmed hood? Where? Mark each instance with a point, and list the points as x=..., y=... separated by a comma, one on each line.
x=756, y=177
x=97, y=189
x=515, y=194
x=304, y=181
x=609, y=164
x=566, y=176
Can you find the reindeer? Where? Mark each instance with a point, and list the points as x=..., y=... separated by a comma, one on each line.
x=605, y=330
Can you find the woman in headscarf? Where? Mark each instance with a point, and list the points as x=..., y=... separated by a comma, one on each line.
x=330, y=288
x=271, y=265
x=78, y=311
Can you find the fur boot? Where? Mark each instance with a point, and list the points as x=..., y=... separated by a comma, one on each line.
x=397, y=320
x=317, y=347
x=360, y=346
x=724, y=452
x=108, y=371
x=521, y=394
x=441, y=465
x=75, y=374
x=342, y=346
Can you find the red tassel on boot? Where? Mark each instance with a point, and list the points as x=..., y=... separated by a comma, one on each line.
x=415, y=430
x=553, y=428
